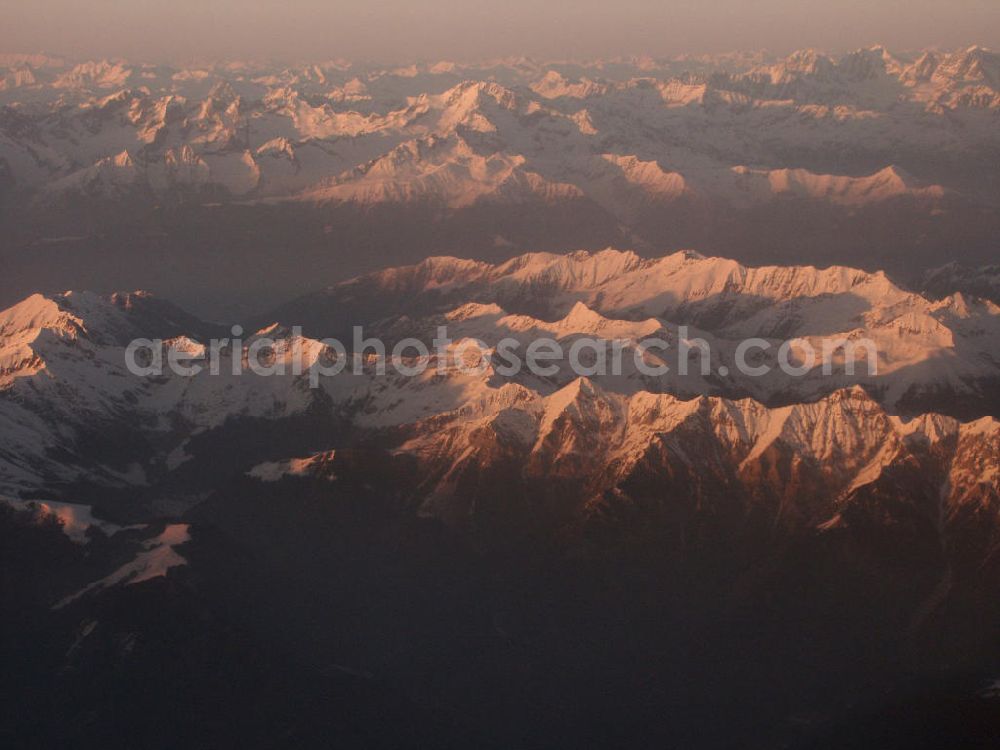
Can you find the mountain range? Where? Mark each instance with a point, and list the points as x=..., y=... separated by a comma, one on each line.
x=736, y=155
x=77, y=420
x=400, y=538
x=708, y=538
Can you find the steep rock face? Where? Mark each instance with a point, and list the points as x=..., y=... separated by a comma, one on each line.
x=581, y=453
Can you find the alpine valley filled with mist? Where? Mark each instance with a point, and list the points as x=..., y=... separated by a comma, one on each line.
x=713, y=556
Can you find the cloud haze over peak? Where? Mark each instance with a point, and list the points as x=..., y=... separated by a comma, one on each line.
x=396, y=30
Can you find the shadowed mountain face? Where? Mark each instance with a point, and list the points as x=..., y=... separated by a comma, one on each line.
x=122, y=176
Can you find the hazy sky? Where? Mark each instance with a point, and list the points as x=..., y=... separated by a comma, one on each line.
x=395, y=30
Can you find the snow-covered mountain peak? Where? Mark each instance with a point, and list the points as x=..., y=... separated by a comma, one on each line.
x=34, y=313
x=975, y=64
x=802, y=62
x=103, y=320
x=574, y=414
x=434, y=273
x=98, y=73
x=575, y=270
x=469, y=105
x=582, y=316
x=42, y=329
x=71, y=314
